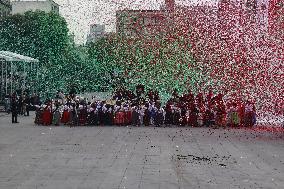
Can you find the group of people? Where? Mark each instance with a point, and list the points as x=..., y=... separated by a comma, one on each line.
x=140, y=108
x=20, y=105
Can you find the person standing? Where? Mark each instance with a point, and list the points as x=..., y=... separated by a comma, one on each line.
x=20, y=104
x=8, y=103
x=27, y=103
x=56, y=114
x=159, y=117
x=14, y=109
x=249, y=116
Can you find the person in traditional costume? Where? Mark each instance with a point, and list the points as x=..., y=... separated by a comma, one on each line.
x=208, y=116
x=127, y=113
x=249, y=114
x=102, y=114
x=241, y=111
x=56, y=114
x=209, y=100
x=159, y=118
x=176, y=111
x=235, y=119
x=183, y=114
x=97, y=108
x=47, y=115
x=135, y=115
x=100, y=107
x=169, y=112
x=92, y=115
x=109, y=114
x=83, y=113
x=193, y=115
x=65, y=115
x=220, y=109
x=39, y=112
x=201, y=108
x=119, y=114
x=74, y=115
x=141, y=112
x=147, y=115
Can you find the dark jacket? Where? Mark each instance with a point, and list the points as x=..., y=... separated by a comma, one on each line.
x=14, y=106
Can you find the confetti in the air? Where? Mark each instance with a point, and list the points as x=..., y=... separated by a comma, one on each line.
x=192, y=56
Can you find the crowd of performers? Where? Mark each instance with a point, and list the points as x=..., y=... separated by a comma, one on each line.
x=127, y=108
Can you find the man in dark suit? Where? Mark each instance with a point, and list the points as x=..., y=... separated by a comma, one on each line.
x=14, y=109
x=27, y=102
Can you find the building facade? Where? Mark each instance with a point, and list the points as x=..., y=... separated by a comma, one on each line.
x=145, y=23
x=97, y=31
x=22, y=6
x=276, y=17
x=5, y=8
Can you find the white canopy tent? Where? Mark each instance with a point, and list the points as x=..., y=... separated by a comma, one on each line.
x=10, y=57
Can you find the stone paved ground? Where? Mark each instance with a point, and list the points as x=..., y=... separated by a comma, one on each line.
x=138, y=157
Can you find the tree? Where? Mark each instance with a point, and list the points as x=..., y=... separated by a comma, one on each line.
x=40, y=35
x=158, y=63
x=37, y=34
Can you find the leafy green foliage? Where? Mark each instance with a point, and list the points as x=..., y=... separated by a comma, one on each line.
x=160, y=63
x=37, y=34
x=157, y=63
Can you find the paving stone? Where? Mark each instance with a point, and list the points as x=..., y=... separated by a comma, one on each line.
x=138, y=157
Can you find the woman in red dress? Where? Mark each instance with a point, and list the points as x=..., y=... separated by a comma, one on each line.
x=119, y=114
x=66, y=115
x=47, y=115
x=119, y=118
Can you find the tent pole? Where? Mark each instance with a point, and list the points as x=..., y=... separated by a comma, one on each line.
x=2, y=78
x=37, y=78
x=24, y=76
x=6, y=78
x=11, y=90
x=31, y=68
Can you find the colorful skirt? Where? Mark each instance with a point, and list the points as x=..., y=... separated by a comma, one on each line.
x=159, y=119
x=56, y=118
x=128, y=117
x=38, y=118
x=200, y=119
x=192, y=119
x=235, y=120
x=135, y=118
x=46, y=117
x=82, y=118
x=65, y=117
x=220, y=120
x=119, y=118
x=249, y=119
